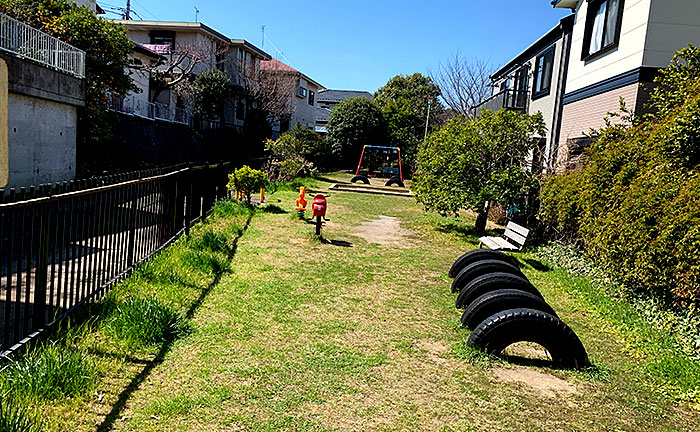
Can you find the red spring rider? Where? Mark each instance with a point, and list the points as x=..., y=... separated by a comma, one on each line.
x=319, y=206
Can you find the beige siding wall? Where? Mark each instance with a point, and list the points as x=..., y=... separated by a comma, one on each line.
x=582, y=116
x=628, y=55
x=673, y=24
x=305, y=113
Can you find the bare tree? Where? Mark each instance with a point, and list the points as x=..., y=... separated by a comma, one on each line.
x=274, y=90
x=184, y=60
x=464, y=83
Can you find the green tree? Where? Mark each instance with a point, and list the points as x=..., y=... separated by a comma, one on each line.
x=476, y=163
x=354, y=123
x=404, y=104
x=297, y=151
x=211, y=91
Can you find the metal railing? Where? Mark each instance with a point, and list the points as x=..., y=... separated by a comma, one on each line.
x=26, y=41
x=64, y=245
x=150, y=110
x=509, y=99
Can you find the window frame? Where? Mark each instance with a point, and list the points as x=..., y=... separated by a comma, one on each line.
x=163, y=37
x=312, y=97
x=592, y=11
x=302, y=92
x=546, y=89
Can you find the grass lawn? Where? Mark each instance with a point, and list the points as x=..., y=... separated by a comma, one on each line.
x=290, y=333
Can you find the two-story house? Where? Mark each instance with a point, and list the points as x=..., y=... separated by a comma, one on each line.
x=606, y=50
x=328, y=99
x=302, y=98
x=189, y=49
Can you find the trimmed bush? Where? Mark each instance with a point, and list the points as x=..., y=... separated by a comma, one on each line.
x=636, y=203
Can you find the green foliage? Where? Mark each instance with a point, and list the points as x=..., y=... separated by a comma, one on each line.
x=14, y=418
x=636, y=203
x=211, y=91
x=247, y=180
x=143, y=322
x=295, y=153
x=106, y=47
x=354, y=123
x=469, y=163
x=51, y=371
x=404, y=104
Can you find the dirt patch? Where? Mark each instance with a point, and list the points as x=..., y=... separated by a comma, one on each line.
x=528, y=351
x=385, y=231
x=536, y=381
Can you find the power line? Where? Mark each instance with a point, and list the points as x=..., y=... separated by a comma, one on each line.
x=281, y=54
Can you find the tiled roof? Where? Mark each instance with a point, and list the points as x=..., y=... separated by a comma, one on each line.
x=322, y=114
x=276, y=65
x=341, y=95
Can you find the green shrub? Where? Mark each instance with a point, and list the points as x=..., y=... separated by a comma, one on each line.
x=210, y=241
x=51, y=371
x=14, y=418
x=247, y=181
x=636, y=203
x=144, y=322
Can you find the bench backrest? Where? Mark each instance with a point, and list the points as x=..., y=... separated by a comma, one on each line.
x=516, y=233
x=389, y=170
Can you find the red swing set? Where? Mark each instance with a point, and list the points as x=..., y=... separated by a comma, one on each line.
x=395, y=174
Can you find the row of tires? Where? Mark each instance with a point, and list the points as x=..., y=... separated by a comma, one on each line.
x=393, y=181
x=502, y=307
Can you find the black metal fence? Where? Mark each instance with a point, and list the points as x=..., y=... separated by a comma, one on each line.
x=63, y=245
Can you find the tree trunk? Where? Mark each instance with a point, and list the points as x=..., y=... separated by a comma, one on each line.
x=482, y=217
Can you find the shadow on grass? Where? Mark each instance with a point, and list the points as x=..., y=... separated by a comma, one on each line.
x=466, y=232
x=136, y=382
x=274, y=209
x=538, y=265
x=340, y=243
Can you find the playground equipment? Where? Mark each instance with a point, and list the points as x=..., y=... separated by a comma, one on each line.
x=319, y=206
x=395, y=174
x=301, y=202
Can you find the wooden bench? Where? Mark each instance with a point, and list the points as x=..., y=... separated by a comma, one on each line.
x=514, y=232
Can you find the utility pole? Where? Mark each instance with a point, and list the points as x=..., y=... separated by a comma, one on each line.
x=196, y=14
x=427, y=119
x=127, y=12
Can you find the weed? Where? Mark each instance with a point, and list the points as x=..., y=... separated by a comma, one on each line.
x=50, y=371
x=144, y=322
x=229, y=208
x=15, y=419
x=474, y=356
x=205, y=262
x=211, y=241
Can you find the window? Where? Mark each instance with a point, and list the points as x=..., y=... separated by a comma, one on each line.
x=302, y=91
x=240, y=56
x=240, y=110
x=544, y=64
x=163, y=37
x=603, y=24
x=312, y=97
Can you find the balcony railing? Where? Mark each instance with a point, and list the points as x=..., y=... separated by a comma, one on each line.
x=26, y=41
x=509, y=99
x=149, y=110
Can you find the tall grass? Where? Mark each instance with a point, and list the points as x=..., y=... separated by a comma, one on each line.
x=50, y=371
x=143, y=322
x=14, y=418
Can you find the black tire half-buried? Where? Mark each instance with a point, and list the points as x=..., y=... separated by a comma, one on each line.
x=361, y=178
x=505, y=328
x=395, y=181
x=480, y=268
x=497, y=301
x=477, y=255
x=492, y=282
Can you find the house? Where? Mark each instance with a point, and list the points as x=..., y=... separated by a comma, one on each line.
x=189, y=49
x=302, y=95
x=328, y=99
x=533, y=82
x=609, y=49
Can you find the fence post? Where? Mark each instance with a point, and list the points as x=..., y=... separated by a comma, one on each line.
x=132, y=226
x=39, y=312
x=189, y=191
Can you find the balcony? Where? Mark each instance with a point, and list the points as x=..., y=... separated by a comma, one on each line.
x=508, y=99
x=25, y=41
x=149, y=110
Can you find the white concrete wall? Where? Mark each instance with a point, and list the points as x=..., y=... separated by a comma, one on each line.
x=673, y=24
x=141, y=77
x=42, y=141
x=628, y=55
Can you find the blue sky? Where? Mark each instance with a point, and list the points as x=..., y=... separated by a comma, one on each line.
x=360, y=45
